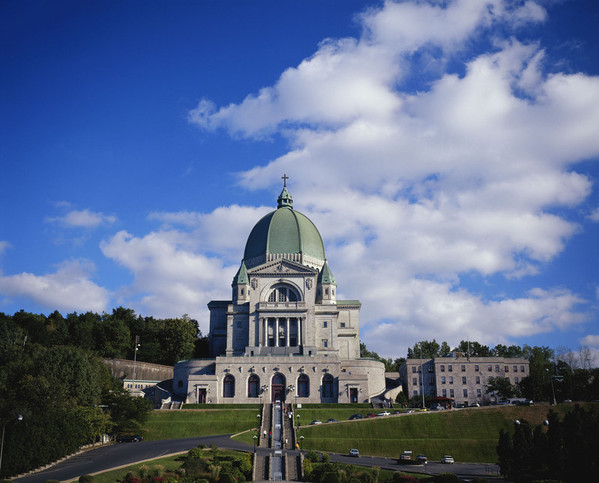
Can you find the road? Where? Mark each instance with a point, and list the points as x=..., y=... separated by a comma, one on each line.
x=123, y=454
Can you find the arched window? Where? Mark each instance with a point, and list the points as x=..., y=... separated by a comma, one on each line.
x=328, y=386
x=254, y=386
x=283, y=293
x=303, y=386
x=229, y=386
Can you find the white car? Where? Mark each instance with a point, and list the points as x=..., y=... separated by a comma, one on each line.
x=448, y=460
x=354, y=452
x=384, y=413
x=316, y=421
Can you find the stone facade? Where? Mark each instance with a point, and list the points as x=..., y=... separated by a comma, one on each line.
x=460, y=378
x=283, y=335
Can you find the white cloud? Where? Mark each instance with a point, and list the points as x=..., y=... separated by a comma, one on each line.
x=172, y=277
x=67, y=289
x=4, y=245
x=83, y=219
x=413, y=189
x=594, y=216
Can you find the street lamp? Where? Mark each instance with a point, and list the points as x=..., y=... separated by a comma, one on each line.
x=255, y=438
x=136, y=348
x=19, y=418
x=302, y=443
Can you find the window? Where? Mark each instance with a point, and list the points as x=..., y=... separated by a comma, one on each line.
x=324, y=324
x=282, y=293
x=414, y=381
x=342, y=324
x=451, y=394
x=478, y=379
x=303, y=386
x=478, y=393
x=328, y=386
x=229, y=386
x=442, y=368
x=515, y=380
x=507, y=368
x=325, y=342
x=444, y=392
x=521, y=368
x=496, y=367
x=465, y=392
x=415, y=392
x=515, y=368
x=463, y=368
x=442, y=379
x=463, y=380
x=450, y=379
x=241, y=291
x=413, y=369
x=253, y=386
x=476, y=367
x=450, y=368
x=431, y=381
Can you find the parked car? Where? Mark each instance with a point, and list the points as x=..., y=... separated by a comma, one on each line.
x=316, y=421
x=384, y=413
x=396, y=412
x=447, y=459
x=371, y=415
x=354, y=452
x=355, y=416
x=331, y=420
x=421, y=458
x=129, y=438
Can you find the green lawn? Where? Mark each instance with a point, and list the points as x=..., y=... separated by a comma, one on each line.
x=170, y=463
x=191, y=423
x=470, y=435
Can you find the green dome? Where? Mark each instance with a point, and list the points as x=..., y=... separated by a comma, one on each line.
x=284, y=233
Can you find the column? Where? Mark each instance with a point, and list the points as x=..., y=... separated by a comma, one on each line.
x=276, y=332
x=287, y=333
x=299, y=331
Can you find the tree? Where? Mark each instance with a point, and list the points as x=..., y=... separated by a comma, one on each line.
x=473, y=348
x=178, y=339
x=502, y=387
x=425, y=349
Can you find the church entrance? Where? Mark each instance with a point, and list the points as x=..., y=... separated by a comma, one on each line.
x=353, y=395
x=278, y=388
x=201, y=396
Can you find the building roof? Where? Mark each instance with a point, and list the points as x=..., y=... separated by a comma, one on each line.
x=284, y=232
x=326, y=276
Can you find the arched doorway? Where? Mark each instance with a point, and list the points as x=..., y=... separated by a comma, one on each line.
x=278, y=387
x=303, y=386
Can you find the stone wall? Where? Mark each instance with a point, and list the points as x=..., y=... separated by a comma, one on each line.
x=144, y=371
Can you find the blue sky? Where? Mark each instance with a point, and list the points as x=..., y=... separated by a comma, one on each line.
x=446, y=150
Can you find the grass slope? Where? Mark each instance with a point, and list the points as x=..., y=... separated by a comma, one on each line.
x=192, y=423
x=469, y=435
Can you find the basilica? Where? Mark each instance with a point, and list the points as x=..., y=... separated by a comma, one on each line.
x=284, y=335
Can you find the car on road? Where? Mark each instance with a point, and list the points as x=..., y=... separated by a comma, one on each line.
x=405, y=456
x=384, y=413
x=130, y=438
x=355, y=416
x=396, y=412
x=447, y=459
x=421, y=458
x=331, y=420
x=316, y=421
x=371, y=415
x=354, y=452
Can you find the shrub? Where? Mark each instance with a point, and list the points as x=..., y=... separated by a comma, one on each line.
x=325, y=457
x=227, y=478
x=331, y=477
x=312, y=456
x=86, y=479
x=399, y=477
x=446, y=478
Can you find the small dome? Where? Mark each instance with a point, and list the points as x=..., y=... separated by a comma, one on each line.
x=284, y=234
